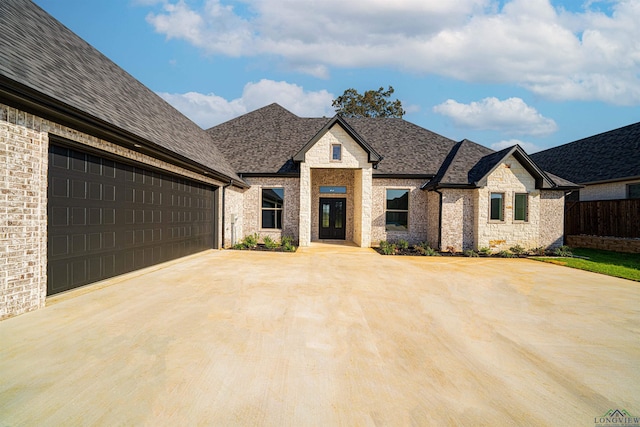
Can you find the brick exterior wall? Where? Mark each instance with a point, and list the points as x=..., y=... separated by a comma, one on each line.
x=608, y=191
x=24, y=144
x=433, y=218
x=23, y=214
x=233, y=216
x=418, y=211
x=251, y=212
x=457, y=219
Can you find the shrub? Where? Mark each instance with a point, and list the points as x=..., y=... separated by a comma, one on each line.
x=402, y=245
x=238, y=246
x=426, y=250
x=484, y=251
x=250, y=241
x=451, y=249
x=471, y=253
x=387, y=248
x=505, y=254
x=286, y=240
x=517, y=250
x=564, y=251
x=288, y=246
x=269, y=243
x=540, y=251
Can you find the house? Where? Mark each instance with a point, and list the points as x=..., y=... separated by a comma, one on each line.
x=607, y=164
x=366, y=180
x=101, y=176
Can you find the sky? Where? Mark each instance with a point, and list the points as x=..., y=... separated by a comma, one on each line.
x=538, y=73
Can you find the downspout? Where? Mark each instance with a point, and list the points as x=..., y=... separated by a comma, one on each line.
x=439, y=219
x=224, y=188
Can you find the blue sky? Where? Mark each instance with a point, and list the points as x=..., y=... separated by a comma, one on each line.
x=535, y=72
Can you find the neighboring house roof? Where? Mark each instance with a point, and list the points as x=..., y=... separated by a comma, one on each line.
x=609, y=156
x=266, y=141
x=468, y=165
x=48, y=70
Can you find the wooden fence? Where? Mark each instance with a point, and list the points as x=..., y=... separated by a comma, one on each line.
x=617, y=218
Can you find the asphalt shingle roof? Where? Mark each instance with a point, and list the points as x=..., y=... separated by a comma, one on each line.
x=612, y=155
x=39, y=52
x=265, y=140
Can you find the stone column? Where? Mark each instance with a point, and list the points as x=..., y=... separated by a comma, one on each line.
x=305, y=205
x=367, y=205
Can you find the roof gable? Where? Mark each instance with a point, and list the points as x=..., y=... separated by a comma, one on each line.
x=480, y=172
x=48, y=70
x=373, y=156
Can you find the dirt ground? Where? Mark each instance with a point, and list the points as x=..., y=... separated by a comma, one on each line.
x=328, y=336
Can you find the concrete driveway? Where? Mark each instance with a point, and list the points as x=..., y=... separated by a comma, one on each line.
x=328, y=336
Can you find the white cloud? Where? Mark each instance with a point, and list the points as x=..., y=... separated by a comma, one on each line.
x=528, y=147
x=585, y=55
x=209, y=109
x=511, y=116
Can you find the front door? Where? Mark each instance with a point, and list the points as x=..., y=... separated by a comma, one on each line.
x=333, y=218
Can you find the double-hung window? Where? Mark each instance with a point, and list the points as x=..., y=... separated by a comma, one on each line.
x=496, y=209
x=272, y=207
x=521, y=207
x=397, y=210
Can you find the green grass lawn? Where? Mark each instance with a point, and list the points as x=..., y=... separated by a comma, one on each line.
x=610, y=263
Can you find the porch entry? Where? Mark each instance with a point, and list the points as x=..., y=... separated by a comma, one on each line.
x=333, y=218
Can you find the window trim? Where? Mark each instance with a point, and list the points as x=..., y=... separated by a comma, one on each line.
x=339, y=146
x=501, y=220
x=628, y=192
x=262, y=208
x=526, y=207
x=386, y=209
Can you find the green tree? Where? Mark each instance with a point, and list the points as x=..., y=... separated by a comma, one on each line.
x=374, y=103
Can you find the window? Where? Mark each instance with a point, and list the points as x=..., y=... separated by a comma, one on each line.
x=272, y=201
x=397, y=212
x=521, y=207
x=633, y=191
x=497, y=207
x=336, y=152
x=333, y=189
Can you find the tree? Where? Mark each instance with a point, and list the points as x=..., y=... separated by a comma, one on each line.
x=374, y=103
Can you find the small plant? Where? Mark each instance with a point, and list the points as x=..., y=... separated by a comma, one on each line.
x=563, y=251
x=506, y=254
x=269, y=243
x=288, y=246
x=286, y=240
x=451, y=249
x=484, y=251
x=239, y=246
x=402, y=244
x=517, y=250
x=540, y=251
x=471, y=253
x=388, y=248
x=250, y=241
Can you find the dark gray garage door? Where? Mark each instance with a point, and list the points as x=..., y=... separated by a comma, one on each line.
x=107, y=218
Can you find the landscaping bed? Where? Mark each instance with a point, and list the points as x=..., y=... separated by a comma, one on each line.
x=253, y=242
x=402, y=247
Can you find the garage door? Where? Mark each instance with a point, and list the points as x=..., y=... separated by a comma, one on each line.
x=108, y=218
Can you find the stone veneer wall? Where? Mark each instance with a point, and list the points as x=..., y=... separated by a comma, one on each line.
x=252, y=221
x=509, y=177
x=24, y=145
x=319, y=157
x=457, y=219
x=551, y=218
x=418, y=211
x=608, y=191
x=616, y=244
x=330, y=177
